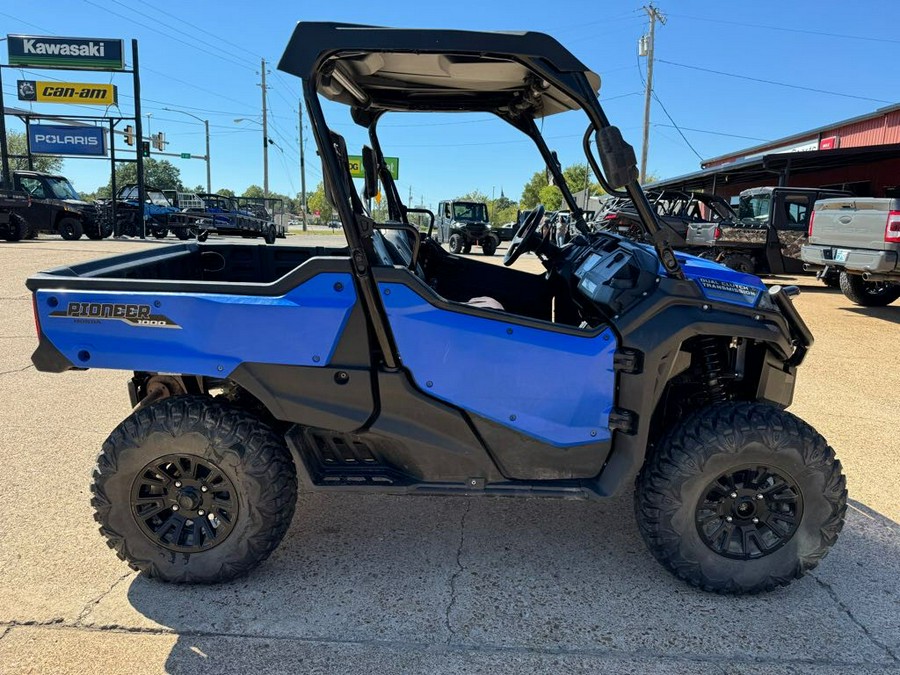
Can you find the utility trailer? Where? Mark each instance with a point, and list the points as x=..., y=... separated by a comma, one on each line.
x=233, y=216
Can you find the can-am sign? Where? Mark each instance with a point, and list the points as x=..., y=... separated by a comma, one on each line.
x=62, y=52
x=66, y=92
x=47, y=139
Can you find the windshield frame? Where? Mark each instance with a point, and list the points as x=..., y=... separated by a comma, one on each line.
x=68, y=191
x=472, y=207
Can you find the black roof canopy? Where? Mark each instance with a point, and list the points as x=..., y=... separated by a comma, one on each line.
x=380, y=69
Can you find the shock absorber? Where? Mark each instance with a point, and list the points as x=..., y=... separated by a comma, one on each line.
x=712, y=369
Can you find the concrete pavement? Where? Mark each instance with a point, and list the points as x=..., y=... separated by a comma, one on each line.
x=415, y=584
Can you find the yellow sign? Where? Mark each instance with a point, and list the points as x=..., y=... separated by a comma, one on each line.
x=66, y=92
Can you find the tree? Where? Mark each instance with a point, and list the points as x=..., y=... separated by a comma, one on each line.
x=160, y=174
x=473, y=196
x=578, y=177
x=551, y=197
x=531, y=193
x=225, y=192
x=319, y=203
x=17, y=146
x=254, y=191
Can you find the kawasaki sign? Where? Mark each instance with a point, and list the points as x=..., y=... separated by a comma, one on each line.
x=60, y=52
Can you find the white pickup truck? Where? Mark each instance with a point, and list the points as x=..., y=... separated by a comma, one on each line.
x=860, y=238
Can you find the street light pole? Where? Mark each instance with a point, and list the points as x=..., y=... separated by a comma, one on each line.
x=207, y=157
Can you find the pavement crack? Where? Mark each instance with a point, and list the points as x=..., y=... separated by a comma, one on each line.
x=846, y=610
x=82, y=615
x=459, y=570
x=17, y=370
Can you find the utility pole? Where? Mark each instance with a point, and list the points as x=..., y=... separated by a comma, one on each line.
x=208, y=172
x=302, y=167
x=647, y=44
x=265, y=130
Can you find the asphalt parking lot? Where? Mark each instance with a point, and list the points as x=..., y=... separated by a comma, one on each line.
x=416, y=584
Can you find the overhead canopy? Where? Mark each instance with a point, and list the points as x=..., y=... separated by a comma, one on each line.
x=767, y=169
x=380, y=69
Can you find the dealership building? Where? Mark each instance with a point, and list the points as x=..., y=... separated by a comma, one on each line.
x=861, y=154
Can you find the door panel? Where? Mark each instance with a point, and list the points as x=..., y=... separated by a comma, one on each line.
x=553, y=386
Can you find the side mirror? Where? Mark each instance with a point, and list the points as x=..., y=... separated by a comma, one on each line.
x=370, y=169
x=617, y=157
x=552, y=179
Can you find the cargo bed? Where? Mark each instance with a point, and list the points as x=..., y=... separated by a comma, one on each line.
x=246, y=269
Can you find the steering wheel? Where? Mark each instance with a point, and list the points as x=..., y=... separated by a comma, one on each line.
x=521, y=243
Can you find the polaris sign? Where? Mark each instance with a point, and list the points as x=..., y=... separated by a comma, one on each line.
x=60, y=52
x=46, y=139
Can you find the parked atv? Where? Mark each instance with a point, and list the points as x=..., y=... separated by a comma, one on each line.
x=381, y=366
x=13, y=226
x=465, y=224
x=56, y=207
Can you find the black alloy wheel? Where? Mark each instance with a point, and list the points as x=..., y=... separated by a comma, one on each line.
x=749, y=512
x=184, y=503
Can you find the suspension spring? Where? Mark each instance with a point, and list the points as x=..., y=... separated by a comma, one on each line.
x=712, y=369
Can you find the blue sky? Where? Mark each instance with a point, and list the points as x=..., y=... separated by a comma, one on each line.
x=204, y=58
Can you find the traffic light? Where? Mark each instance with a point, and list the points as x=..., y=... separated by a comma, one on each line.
x=129, y=135
x=145, y=148
x=159, y=141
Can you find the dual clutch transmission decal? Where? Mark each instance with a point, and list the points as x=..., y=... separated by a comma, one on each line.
x=95, y=312
x=728, y=287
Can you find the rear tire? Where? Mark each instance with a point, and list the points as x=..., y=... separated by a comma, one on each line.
x=270, y=234
x=17, y=229
x=740, y=263
x=182, y=233
x=70, y=229
x=703, y=483
x=160, y=233
x=456, y=244
x=151, y=505
x=868, y=293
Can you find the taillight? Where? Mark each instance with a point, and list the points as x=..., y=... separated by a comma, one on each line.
x=717, y=233
x=37, y=321
x=812, y=219
x=892, y=229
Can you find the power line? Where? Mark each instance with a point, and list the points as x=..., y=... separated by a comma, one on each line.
x=106, y=9
x=790, y=30
x=779, y=84
x=677, y=128
x=203, y=30
x=717, y=133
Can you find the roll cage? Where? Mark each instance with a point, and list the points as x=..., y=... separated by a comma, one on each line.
x=518, y=77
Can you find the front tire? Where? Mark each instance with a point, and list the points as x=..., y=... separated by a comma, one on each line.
x=868, y=293
x=70, y=229
x=456, y=244
x=189, y=490
x=741, y=498
x=489, y=247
